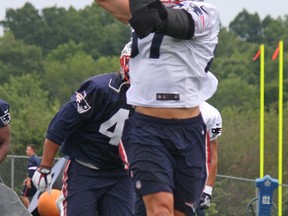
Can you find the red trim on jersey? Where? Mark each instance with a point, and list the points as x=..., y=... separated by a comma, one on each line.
x=123, y=154
x=208, y=154
x=64, y=187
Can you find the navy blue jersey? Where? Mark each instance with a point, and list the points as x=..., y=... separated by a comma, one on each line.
x=89, y=127
x=4, y=113
x=33, y=164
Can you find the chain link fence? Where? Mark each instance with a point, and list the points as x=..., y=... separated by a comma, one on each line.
x=232, y=196
x=13, y=171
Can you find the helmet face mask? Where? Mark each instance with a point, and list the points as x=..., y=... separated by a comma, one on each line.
x=124, y=62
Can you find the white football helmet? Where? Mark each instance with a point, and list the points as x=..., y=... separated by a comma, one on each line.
x=124, y=62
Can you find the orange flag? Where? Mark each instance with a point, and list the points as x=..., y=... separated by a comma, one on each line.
x=275, y=54
x=257, y=55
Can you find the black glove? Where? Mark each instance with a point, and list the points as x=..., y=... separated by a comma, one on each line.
x=204, y=201
x=151, y=18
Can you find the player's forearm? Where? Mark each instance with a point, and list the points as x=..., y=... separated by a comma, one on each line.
x=49, y=153
x=4, y=149
x=4, y=142
x=212, y=175
x=118, y=8
x=214, y=163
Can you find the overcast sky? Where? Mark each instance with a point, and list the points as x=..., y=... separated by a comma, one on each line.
x=228, y=9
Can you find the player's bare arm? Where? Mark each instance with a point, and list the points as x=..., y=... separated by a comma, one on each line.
x=49, y=152
x=4, y=141
x=214, y=161
x=118, y=8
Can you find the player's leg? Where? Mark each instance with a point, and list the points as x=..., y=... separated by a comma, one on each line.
x=81, y=190
x=151, y=163
x=120, y=195
x=192, y=165
x=25, y=201
x=26, y=193
x=160, y=203
x=140, y=209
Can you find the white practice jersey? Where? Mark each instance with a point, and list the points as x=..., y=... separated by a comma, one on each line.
x=172, y=73
x=213, y=120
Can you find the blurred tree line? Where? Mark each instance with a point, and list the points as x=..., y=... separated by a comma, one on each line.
x=45, y=55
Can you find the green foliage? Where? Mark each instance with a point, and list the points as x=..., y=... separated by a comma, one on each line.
x=239, y=142
x=272, y=29
x=247, y=26
x=236, y=92
x=24, y=22
x=65, y=68
x=30, y=110
x=99, y=32
x=18, y=58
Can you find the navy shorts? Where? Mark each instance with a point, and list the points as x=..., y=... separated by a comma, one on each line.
x=91, y=192
x=167, y=155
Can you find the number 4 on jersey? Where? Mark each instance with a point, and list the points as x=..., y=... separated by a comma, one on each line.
x=117, y=120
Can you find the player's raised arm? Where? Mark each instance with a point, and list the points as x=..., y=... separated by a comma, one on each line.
x=118, y=8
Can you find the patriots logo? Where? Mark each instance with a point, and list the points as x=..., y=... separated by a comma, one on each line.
x=82, y=104
x=6, y=118
x=199, y=12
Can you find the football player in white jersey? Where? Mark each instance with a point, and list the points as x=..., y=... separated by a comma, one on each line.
x=165, y=139
x=213, y=121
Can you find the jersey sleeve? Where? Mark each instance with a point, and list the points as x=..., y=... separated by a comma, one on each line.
x=84, y=103
x=89, y=99
x=205, y=17
x=216, y=126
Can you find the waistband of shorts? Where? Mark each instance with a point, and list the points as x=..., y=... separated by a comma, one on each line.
x=155, y=120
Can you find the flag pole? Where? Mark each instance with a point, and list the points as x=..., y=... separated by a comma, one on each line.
x=262, y=65
x=280, y=129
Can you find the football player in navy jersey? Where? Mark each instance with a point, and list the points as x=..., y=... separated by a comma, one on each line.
x=10, y=203
x=4, y=129
x=88, y=130
x=29, y=189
